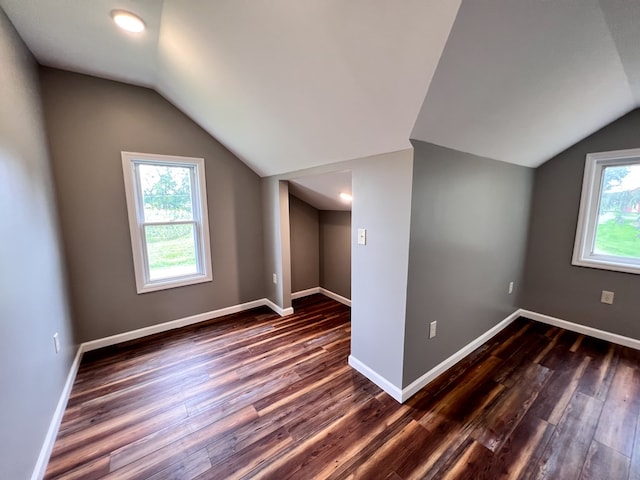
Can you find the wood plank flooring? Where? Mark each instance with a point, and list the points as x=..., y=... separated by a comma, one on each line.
x=258, y=396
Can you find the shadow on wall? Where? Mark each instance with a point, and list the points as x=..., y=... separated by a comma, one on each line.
x=320, y=248
x=335, y=252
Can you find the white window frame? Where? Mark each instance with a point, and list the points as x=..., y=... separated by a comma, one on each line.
x=583, y=254
x=136, y=220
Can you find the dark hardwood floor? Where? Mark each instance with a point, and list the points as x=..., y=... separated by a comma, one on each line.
x=259, y=396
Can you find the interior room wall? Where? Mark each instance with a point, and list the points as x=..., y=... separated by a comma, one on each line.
x=305, y=245
x=89, y=122
x=335, y=251
x=33, y=299
x=272, y=241
x=277, y=242
x=553, y=286
x=469, y=219
x=382, y=205
x=320, y=248
x=379, y=280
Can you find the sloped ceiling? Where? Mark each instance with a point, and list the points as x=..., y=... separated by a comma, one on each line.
x=79, y=36
x=323, y=191
x=522, y=81
x=284, y=84
x=290, y=84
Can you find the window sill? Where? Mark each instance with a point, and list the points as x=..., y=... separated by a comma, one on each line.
x=173, y=283
x=606, y=264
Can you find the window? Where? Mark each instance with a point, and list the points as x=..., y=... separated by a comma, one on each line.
x=608, y=233
x=167, y=206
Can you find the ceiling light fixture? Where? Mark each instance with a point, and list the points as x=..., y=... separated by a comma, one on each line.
x=346, y=197
x=128, y=21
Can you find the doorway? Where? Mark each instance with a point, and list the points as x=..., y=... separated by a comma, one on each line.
x=320, y=235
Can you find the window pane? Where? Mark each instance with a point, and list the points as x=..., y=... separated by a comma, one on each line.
x=171, y=251
x=618, y=227
x=166, y=193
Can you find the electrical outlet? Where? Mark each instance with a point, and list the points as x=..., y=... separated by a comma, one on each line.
x=510, y=288
x=607, y=297
x=56, y=342
x=275, y=279
x=432, y=329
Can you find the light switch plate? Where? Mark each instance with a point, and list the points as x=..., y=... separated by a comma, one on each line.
x=362, y=236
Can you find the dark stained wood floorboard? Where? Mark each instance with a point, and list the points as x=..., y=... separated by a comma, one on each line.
x=254, y=395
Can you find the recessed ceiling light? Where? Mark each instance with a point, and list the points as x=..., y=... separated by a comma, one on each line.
x=346, y=197
x=127, y=21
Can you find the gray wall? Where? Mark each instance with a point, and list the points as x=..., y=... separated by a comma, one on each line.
x=335, y=252
x=272, y=240
x=469, y=220
x=33, y=303
x=320, y=248
x=552, y=285
x=305, y=249
x=90, y=121
x=277, y=241
x=382, y=205
x=379, y=280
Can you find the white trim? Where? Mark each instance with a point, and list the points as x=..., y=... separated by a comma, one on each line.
x=305, y=293
x=335, y=296
x=173, y=324
x=575, y=327
x=283, y=312
x=182, y=322
x=50, y=439
x=431, y=375
x=323, y=291
x=376, y=378
x=417, y=385
x=399, y=395
x=200, y=219
x=583, y=248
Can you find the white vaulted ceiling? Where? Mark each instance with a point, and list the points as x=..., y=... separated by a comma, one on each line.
x=522, y=81
x=79, y=36
x=290, y=84
x=323, y=190
x=284, y=84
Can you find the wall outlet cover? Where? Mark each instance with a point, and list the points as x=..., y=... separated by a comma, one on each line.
x=607, y=297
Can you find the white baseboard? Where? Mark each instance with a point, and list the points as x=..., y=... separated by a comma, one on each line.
x=283, y=312
x=47, y=447
x=575, y=327
x=335, y=296
x=56, y=420
x=376, y=378
x=431, y=375
x=418, y=384
x=182, y=322
x=305, y=293
x=323, y=291
x=401, y=395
